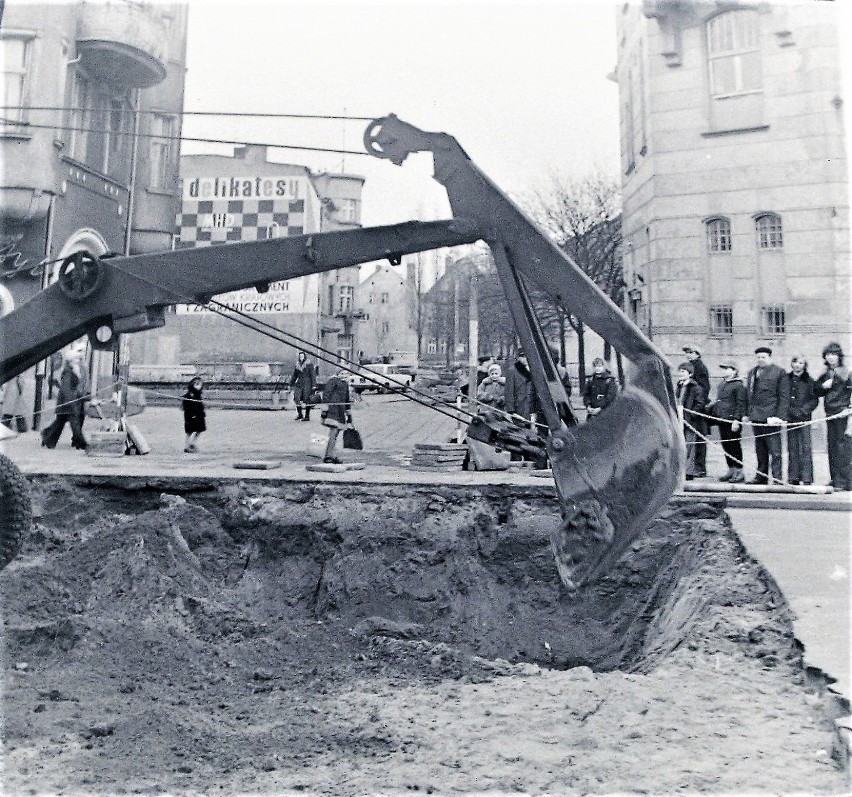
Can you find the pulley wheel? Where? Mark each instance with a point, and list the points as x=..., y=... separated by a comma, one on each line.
x=80, y=275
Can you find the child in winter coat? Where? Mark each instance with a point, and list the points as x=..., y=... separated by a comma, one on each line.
x=194, y=418
x=491, y=389
x=727, y=410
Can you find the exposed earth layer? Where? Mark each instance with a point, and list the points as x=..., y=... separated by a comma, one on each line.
x=256, y=639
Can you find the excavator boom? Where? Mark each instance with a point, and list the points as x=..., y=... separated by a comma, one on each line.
x=612, y=473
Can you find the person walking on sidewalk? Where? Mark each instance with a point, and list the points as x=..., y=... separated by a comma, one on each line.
x=803, y=401
x=768, y=402
x=338, y=414
x=690, y=396
x=729, y=406
x=835, y=387
x=702, y=377
x=304, y=383
x=194, y=417
x=71, y=399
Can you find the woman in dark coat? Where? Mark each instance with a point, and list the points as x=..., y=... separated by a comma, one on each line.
x=803, y=401
x=304, y=383
x=835, y=387
x=338, y=413
x=194, y=418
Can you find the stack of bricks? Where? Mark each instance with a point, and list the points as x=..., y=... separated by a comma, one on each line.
x=106, y=444
x=438, y=456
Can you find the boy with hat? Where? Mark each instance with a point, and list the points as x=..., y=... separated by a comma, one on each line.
x=729, y=407
x=702, y=377
x=768, y=400
x=691, y=398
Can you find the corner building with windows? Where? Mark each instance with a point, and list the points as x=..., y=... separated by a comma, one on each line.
x=734, y=176
x=89, y=136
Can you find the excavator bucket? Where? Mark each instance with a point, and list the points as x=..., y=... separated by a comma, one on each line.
x=616, y=471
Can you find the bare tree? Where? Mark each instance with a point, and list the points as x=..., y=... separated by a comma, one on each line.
x=415, y=275
x=583, y=216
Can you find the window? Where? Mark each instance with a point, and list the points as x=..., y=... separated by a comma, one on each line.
x=79, y=117
x=162, y=154
x=15, y=58
x=773, y=320
x=100, y=120
x=346, y=209
x=721, y=320
x=733, y=47
x=385, y=297
x=769, y=234
x=385, y=326
x=372, y=298
x=718, y=235
x=344, y=298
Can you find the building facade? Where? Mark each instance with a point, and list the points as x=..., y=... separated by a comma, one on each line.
x=88, y=138
x=387, y=298
x=735, y=192
x=248, y=198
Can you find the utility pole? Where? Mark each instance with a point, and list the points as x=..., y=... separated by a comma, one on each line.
x=473, y=332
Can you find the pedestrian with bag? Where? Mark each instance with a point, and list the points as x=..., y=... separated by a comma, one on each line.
x=690, y=397
x=303, y=381
x=71, y=397
x=835, y=388
x=194, y=416
x=338, y=412
x=803, y=401
x=768, y=399
x=727, y=410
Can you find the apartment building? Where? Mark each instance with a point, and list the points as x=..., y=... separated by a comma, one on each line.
x=735, y=191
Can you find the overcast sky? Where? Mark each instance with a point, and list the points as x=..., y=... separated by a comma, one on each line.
x=522, y=86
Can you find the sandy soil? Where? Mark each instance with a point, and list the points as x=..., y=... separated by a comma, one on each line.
x=328, y=640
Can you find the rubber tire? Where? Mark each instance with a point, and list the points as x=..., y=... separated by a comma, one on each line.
x=16, y=511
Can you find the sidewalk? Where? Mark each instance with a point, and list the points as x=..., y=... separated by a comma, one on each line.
x=390, y=427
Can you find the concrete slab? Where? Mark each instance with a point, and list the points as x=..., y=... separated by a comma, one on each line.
x=258, y=464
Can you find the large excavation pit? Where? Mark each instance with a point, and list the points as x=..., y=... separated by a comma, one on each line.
x=328, y=638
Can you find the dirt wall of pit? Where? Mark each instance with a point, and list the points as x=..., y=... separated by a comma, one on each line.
x=462, y=566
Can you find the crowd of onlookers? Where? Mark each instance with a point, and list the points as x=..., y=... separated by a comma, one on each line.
x=774, y=403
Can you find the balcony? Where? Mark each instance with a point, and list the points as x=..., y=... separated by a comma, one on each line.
x=123, y=42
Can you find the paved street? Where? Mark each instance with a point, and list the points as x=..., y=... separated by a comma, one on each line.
x=809, y=555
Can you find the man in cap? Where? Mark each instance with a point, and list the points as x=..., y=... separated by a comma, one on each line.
x=768, y=399
x=702, y=378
